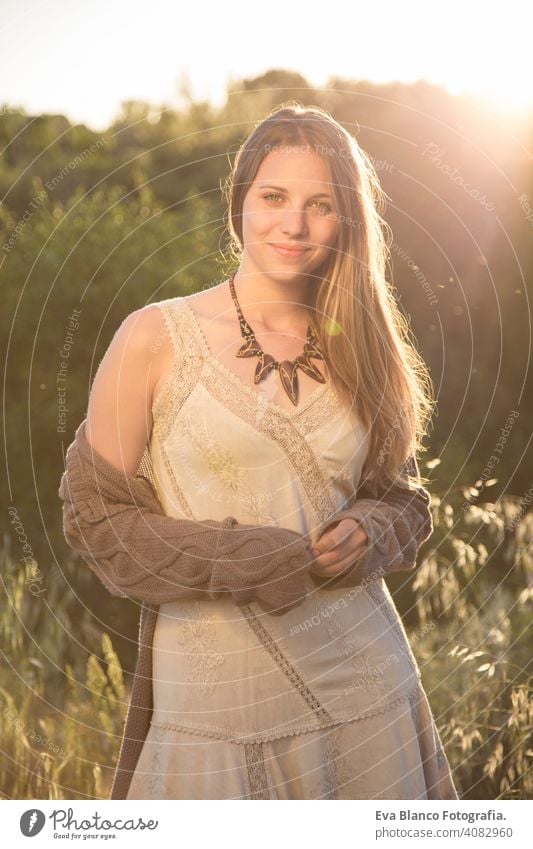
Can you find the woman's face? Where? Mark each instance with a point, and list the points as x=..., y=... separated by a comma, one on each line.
x=289, y=221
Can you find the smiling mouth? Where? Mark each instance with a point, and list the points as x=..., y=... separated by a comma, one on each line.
x=289, y=250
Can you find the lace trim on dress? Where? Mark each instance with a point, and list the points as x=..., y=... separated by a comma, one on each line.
x=183, y=374
x=146, y=469
x=284, y=664
x=180, y=382
x=255, y=764
x=342, y=781
x=316, y=725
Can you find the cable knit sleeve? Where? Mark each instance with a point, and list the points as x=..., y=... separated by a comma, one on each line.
x=116, y=523
x=396, y=520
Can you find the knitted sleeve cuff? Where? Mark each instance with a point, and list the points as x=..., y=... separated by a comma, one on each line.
x=395, y=534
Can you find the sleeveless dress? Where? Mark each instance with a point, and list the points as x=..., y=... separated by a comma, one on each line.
x=322, y=702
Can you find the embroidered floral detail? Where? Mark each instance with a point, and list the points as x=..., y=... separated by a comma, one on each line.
x=378, y=591
x=370, y=676
x=155, y=781
x=254, y=506
x=231, y=475
x=198, y=638
x=341, y=776
x=220, y=461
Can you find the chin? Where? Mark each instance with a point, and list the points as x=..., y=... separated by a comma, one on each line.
x=289, y=268
x=286, y=274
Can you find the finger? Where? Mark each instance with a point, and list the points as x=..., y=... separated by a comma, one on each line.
x=341, y=550
x=338, y=569
x=343, y=531
x=326, y=564
x=326, y=541
x=329, y=543
x=335, y=569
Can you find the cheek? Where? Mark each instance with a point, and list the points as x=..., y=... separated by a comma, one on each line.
x=257, y=221
x=326, y=232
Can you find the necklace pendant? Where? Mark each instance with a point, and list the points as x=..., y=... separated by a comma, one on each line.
x=266, y=363
x=309, y=368
x=288, y=373
x=251, y=348
x=311, y=350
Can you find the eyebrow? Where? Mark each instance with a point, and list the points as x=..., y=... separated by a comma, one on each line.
x=282, y=189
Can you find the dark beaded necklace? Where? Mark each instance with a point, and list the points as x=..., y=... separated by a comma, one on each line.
x=287, y=368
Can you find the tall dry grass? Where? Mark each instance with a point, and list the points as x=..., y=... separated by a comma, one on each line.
x=61, y=717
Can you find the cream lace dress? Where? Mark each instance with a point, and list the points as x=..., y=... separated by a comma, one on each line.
x=323, y=702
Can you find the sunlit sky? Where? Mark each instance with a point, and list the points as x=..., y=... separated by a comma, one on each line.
x=82, y=59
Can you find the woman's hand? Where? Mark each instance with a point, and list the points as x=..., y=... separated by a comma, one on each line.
x=338, y=548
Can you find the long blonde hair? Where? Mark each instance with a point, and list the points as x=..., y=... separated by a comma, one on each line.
x=360, y=329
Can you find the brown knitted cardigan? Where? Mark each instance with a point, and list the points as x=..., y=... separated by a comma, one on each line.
x=116, y=523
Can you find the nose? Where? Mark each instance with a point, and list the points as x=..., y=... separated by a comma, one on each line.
x=294, y=222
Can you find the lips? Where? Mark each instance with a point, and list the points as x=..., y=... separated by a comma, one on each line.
x=288, y=250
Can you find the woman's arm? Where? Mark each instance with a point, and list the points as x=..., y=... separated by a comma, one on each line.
x=396, y=521
x=114, y=520
x=119, y=414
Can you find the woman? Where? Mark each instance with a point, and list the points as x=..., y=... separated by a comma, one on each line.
x=288, y=396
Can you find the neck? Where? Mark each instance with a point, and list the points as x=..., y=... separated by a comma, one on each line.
x=274, y=304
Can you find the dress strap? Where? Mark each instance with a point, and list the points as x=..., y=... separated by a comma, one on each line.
x=187, y=363
x=179, y=327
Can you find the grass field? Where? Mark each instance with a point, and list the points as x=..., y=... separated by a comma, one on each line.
x=62, y=710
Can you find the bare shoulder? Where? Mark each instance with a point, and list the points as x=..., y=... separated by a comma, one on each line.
x=142, y=345
x=124, y=384
x=145, y=331
x=145, y=328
